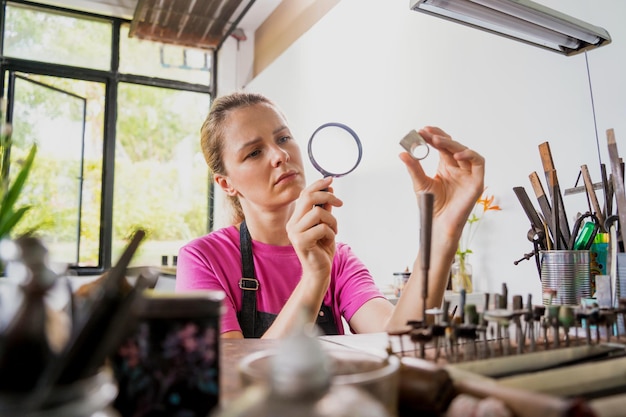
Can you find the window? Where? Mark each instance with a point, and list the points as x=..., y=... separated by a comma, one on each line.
x=58, y=38
x=155, y=59
x=65, y=118
x=118, y=147
x=160, y=173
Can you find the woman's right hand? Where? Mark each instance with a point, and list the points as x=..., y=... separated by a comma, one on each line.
x=312, y=227
x=311, y=230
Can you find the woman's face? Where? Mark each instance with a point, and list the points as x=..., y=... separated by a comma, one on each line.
x=262, y=160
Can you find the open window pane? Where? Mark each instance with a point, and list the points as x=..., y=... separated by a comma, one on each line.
x=43, y=35
x=65, y=118
x=160, y=174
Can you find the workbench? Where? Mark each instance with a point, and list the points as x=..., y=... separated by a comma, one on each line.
x=379, y=344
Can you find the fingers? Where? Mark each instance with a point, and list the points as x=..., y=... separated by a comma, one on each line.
x=314, y=207
x=451, y=152
x=470, y=160
x=444, y=143
x=459, y=175
x=320, y=193
x=418, y=176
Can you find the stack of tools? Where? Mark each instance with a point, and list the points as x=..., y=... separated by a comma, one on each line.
x=559, y=249
x=550, y=229
x=503, y=329
x=500, y=348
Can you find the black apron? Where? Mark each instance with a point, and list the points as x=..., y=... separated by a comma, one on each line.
x=254, y=323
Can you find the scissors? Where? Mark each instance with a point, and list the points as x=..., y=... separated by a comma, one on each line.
x=584, y=232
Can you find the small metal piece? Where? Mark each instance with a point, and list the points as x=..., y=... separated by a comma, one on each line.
x=415, y=145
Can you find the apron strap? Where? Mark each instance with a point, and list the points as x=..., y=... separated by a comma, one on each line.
x=248, y=283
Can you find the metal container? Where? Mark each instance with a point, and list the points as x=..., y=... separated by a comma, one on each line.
x=565, y=274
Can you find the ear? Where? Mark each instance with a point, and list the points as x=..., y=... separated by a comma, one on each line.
x=225, y=185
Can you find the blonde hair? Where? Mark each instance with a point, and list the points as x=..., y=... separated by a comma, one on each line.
x=212, y=136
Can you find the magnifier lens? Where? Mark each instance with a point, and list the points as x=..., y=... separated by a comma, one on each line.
x=334, y=150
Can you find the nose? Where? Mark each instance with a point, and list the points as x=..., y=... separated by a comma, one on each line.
x=279, y=156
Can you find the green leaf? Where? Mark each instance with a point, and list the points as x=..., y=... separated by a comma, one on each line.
x=8, y=215
x=8, y=221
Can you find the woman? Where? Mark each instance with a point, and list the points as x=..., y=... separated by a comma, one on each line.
x=282, y=241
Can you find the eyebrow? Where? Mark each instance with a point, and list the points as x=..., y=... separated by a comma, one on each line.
x=258, y=139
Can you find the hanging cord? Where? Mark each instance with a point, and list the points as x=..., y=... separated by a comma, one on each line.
x=593, y=108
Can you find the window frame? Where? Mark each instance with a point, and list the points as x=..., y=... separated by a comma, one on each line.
x=111, y=80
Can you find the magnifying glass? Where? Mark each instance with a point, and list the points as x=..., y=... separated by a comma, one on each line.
x=335, y=150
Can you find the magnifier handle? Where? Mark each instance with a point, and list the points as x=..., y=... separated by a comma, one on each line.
x=321, y=205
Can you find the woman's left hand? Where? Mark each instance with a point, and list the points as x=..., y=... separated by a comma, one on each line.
x=457, y=184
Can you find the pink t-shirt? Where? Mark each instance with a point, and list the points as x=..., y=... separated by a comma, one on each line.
x=213, y=262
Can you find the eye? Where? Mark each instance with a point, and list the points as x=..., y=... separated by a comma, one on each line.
x=284, y=139
x=253, y=154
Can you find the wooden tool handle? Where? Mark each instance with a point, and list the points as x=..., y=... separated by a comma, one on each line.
x=423, y=388
x=591, y=193
x=536, y=184
x=546, y=156
x=555, y=191
x=526, y=403
x=426, y=204
x=544, y=204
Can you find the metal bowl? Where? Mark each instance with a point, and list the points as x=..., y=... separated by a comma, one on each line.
x=376, y=375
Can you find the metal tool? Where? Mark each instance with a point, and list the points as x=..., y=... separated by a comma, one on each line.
x=591, y=196
x=426, y=203
x=535, y=221
x=555, y=193
x=544, y=203
x=618, y=181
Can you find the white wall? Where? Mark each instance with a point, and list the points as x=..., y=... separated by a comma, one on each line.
x=384, y=69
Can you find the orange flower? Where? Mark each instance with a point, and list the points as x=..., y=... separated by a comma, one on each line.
x=486, y=204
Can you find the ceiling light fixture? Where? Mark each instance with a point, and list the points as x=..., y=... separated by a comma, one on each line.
x=521, y=20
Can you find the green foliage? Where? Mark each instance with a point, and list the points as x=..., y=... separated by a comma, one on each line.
x=10, y=215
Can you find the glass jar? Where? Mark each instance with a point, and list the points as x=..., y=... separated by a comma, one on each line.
x=461, y=274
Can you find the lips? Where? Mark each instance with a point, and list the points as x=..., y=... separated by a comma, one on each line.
x=286, y=176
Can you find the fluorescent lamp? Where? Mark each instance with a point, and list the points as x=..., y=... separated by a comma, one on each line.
x=521, y=20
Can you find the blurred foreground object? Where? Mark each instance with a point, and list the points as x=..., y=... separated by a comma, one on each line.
x=297, y=380
x=168, y=362
x=40, y=375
